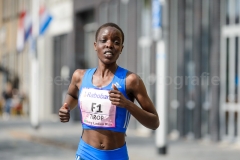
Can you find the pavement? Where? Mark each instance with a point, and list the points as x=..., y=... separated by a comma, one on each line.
x=61, y=139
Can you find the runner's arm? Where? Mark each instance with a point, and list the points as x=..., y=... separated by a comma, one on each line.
x=147, y=114
x=72, y=94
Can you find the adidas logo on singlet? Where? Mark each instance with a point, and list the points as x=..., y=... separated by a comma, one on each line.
x=117, y=85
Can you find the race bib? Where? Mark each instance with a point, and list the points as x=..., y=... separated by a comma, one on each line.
x=97, y=110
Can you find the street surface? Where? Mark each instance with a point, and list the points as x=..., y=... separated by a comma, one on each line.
x=58, y=141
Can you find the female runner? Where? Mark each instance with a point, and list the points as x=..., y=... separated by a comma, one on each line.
x=105, y=96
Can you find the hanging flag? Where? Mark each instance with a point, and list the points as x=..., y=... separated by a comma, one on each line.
x=24, y=30
x=45, y=19
x=27, y=27
x=20, y=32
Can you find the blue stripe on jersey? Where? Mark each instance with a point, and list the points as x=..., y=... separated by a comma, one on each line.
x=128, y=119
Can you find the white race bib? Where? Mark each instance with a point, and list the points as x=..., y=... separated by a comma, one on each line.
x=97, y=110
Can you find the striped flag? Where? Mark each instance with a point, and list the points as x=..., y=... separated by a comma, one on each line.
x=20, y=32
x=27, y=27
x=24, y=30
x=45, y=19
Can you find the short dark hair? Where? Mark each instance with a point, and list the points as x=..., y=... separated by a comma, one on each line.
x=109, y=25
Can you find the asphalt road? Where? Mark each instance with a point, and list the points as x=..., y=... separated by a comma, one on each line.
x=58, y=141
x=17, y=148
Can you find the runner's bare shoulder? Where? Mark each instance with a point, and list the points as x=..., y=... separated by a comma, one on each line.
x=132, y=80
x=78, y=76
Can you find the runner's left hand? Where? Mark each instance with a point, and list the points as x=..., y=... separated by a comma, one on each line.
x=117, y=98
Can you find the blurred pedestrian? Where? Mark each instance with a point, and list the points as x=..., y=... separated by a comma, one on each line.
x=7, y=100
x=106, y=97
x=17, y=101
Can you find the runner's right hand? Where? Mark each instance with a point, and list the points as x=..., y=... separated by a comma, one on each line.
x=64, y=113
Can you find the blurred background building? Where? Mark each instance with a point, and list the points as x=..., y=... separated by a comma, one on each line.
x=202, y=56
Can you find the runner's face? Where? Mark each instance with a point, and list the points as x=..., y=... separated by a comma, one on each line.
x=109, y=45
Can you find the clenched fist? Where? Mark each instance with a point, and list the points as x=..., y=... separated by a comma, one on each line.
x=64, y=113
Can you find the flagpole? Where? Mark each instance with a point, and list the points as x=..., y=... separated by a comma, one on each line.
x=34, y=81
x=161, y=71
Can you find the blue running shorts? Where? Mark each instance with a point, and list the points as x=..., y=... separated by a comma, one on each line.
x=87, y=152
